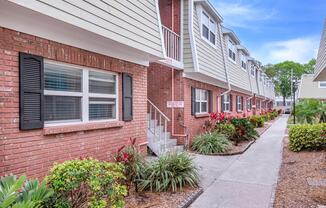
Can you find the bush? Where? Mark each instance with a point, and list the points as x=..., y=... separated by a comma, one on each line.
x=307, y=137
x=244, y=130
x=227, y=129
x=87, y=183
x=310, y=111
x=14, y=193
x=257, y=121
x=210, y=143
x=170, y=172
x=133, y=162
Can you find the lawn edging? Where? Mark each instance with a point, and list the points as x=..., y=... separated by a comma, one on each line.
x=190, y=199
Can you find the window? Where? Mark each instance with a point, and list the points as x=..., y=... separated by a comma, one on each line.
x=260, y=76
x=226, y=103
x=243, y=62
x=258, y=104
x=73, y=94
x=252, y=70
x=322, y=84
x=239, y=103
x=201, y=101
x=231, y=50
x=249, y=104
x=208, y=28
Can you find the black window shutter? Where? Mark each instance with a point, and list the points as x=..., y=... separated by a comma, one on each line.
x=193, y=101
x=231, y=103
x=222, y=103
x=127, y=99
x=210, y=101
x=237, y=107
x=241, y=103
x=31, y=89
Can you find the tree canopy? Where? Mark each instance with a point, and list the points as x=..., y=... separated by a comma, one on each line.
x=281, y=74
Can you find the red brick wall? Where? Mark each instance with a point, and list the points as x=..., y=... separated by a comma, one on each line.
x=170, y=14
x=33, y=153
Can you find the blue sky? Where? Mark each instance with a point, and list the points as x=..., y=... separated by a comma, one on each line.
x=276, y=30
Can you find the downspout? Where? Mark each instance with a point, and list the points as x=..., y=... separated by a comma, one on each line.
x=252, y=92
x=224, y=63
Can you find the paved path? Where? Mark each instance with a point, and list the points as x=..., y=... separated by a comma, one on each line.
x=243, y=181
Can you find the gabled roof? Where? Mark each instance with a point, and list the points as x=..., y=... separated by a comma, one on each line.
x=210, y=8
x=244, y=49
x=231, y=34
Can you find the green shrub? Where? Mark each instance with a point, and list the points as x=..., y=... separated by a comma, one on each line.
x=227, y=129
x=310, y=111
x=306, y=136
x=14, y=193
x=244, y=130
x=87, y=183
x=210, y=143
x=257, y=121
x=170, y=172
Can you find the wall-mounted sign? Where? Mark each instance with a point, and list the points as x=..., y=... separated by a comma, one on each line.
x=175, y=104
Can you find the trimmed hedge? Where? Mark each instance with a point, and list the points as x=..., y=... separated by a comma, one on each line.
x=307, y=136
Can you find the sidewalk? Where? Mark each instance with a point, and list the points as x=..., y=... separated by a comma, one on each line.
x=243, y=181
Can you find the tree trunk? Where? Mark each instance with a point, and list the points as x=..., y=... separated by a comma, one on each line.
x=283, y=100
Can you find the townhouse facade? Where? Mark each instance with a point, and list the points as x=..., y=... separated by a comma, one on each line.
x=81, y=78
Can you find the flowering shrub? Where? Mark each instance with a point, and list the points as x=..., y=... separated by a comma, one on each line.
x=244, y=130
x=257, y=121
x=133, y=162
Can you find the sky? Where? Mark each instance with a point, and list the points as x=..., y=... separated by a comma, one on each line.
x=276, y=30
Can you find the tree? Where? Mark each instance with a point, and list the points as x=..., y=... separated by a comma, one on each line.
x=281, y=75
x=309, y=67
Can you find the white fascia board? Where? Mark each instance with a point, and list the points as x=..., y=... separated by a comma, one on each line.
x=231, y=34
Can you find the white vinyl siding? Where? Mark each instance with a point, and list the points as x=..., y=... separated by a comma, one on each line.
x=187, y=50
x=238, y=76
x=128, y=22
x=201, y=101
x=209, y=57
x=78, y=94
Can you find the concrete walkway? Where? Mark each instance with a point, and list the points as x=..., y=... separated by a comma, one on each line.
x=243, y=181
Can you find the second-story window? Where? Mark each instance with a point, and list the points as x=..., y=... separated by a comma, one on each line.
x=252, y=70
x=322, y=84
x=231, y=50
x=208, y=28
x=243, y=62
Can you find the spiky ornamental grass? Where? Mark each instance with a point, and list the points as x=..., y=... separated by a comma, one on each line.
x=171, y=172
x=210, y=143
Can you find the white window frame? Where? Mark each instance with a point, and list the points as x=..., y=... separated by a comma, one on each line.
x=226, y=102
x=239, y=103
x=210, y=19
x=200, y=101
x=320, y=84
x=243, y=59
x=248, y=104
x=252, y=69
x=232, y=47
x=84, y=94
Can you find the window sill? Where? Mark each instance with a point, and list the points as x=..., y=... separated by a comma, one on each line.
x=201, y=115
x=82, y=127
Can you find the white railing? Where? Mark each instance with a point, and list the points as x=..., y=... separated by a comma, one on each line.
x=171, y=43
x=157, y=125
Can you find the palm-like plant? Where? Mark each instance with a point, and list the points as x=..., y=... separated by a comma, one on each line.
x=310, y=111
x=14, y=193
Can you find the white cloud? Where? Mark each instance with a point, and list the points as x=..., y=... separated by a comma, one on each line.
x=238, y=14
x=298, y=49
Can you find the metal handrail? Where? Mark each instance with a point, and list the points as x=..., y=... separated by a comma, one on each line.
x=158, y=110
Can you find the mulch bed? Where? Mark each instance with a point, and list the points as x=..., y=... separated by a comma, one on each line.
x=161, y=200
x=302, y=179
